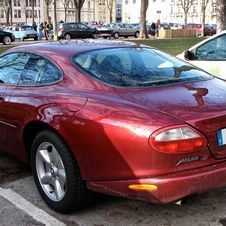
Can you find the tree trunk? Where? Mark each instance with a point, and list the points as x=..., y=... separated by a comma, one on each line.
x=221, y=16
x=33, y=11
x=47, y=13
x=55, y=21
x=77, y=15
x=111, y=16
x=185, y=18
x=7, y=12
x=11, y=12
x=65, y=14
x=143, y=11
x=203, y=19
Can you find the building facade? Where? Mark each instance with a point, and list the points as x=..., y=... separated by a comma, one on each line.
x=167, y=11
x=97, y=10
x=92, y=10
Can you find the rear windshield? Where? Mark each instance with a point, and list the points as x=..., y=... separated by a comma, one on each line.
x=137, y=67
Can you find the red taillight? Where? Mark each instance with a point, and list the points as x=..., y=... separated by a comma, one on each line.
x=178, y=140
x=61, y=30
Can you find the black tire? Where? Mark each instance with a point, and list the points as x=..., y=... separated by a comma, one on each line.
x=126, y=36
x=116, y=35
x=137, y=34
x=35, y=38
x=67, y=36
x=7, y=40
x=76, y=195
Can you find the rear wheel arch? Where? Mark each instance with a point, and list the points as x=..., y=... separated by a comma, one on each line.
x=31, y=130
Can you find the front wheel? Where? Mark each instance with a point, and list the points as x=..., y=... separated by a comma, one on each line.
x=67, y=36
x=7, y=40
x=56, y=173
x=116, y=35
x=136, y=34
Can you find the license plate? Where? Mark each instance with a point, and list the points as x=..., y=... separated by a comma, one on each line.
x=221, y=137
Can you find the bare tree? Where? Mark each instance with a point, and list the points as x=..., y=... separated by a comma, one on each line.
x=66, y=6
x=48, y=2
x=186, y=5
x=55, y=20
x=78, y=6
x=110, y=4
x=221, y=15
x=7, y=7
x=143, y=11
x=204, y=5
x=33, y=11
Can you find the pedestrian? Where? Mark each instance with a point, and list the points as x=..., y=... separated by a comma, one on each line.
x=34, y=25
x=152, y=29
x=45, y=30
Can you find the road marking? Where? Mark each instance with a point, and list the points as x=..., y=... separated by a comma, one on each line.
x=32, y=210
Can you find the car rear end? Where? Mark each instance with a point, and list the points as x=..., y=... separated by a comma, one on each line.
x=175, y=145
x=62, y=30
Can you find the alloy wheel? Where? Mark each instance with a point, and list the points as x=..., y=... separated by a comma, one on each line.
x=51, y=172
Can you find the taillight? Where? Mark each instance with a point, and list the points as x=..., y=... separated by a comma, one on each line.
x=177, y=140
x=61, y=30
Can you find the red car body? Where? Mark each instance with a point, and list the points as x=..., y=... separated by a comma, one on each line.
x=110, y=129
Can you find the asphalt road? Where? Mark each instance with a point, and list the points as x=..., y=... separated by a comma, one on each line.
x=20, y=204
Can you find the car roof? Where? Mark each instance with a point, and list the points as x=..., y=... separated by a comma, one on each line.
x=70, y=48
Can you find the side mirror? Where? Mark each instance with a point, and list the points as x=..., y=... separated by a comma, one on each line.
x=188, y=55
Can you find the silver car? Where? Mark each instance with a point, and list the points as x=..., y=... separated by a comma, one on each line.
x=118, y=29
x=25, y=32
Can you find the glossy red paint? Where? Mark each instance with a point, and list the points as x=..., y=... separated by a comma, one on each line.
x=108, y=129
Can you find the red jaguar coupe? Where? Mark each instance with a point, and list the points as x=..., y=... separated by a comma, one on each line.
x=113, y=117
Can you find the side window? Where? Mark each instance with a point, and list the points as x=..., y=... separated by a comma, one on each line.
x=82, y=26
x=72, y=26
x=11, y=67
x=39, y=70
x=213, y=50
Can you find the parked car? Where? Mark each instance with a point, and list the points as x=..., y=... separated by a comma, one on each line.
x=6, y=38
x=209, y=54
x=208, y=29
x=112, y=117
x=117, y=30
x=25, y=32
x=75, y=30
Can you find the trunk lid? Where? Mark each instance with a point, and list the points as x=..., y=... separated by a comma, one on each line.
x=199, y=104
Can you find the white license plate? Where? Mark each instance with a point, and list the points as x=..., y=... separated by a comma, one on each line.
x=221, y=137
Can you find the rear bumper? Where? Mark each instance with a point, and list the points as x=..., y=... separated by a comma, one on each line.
x=170, y=187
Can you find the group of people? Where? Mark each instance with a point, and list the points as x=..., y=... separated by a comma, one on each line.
x=44, y=29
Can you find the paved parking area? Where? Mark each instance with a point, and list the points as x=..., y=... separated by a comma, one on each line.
x=22, y=205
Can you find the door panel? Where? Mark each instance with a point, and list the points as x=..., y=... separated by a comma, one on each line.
x=11, y=67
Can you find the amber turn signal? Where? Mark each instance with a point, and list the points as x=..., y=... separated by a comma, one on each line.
x=143, y=187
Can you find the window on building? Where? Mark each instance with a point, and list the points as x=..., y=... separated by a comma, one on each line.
x=17, y=13
x=28, y=3
x=28, y=13
x=194, y=9
x=214, y=8
x=16, y=2
x=134, y=1
x=89, y=5
x=101, y=2
x=171, y=10
x=2, y=13
x=126, y=2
